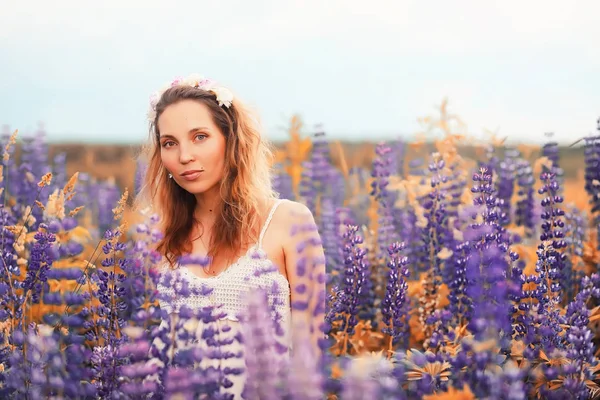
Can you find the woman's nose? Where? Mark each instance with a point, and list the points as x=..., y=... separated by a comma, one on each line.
x=185, y=156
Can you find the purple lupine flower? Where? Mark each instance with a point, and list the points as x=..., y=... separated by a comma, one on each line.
x=333, y=244
x=435, y=239
x=23, y=186
x=40, y=262
x=439, y=321
x=575, y=236
x=111, y=290
x=359, y=202
x=505, y=185
x=104, y=364
x=386, y=233
x=399, y=149
x=13, y=301
x=489, y=264
x=405, y=221
x=396, y=303
x=139, y=274
x=416, y=167
x=313, y=182
x=304, y=379
x=347, y=294
x=136, y=351
x=106, y=195
x=320, y=179
x=460, y=303
x=540, y=320
x=264, y=366
x=282, y=183
x=311, y=292
x=551, y=150
x=329, y=234
x=578, y=339
x=491, y=306
x=472, y=363
x=59, y=173
x=525, y=205
x=38, y=368
x=551, y=258
x=381, y=174
x=592, y=176
x=491, y=159
x=455, y=187
x=25, y=175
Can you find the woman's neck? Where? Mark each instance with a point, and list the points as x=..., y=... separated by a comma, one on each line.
x=208, y=205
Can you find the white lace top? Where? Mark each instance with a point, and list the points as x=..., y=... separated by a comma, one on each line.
x=229, y=287
x=228, y=290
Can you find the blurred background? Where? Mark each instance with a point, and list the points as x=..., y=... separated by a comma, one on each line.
x=78, y=75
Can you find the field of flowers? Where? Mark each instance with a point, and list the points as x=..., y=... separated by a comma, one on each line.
x=448, y=278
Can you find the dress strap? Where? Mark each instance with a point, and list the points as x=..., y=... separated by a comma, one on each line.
x=268, y=221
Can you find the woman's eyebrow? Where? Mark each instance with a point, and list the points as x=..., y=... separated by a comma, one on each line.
x=193, y=130
x=201, y=128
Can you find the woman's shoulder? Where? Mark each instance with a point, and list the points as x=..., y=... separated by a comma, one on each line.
x=291, y=216
x=293, y=210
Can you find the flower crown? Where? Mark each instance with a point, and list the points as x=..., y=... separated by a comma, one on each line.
x=224, y=95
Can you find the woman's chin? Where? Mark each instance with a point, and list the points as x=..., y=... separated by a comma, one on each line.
x=196, y=188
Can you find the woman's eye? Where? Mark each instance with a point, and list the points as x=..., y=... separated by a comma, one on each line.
x=166, y=144
x=200, y=136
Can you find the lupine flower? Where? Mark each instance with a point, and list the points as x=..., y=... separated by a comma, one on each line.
x=395, y=304
x=282, y=183
x=551, y=257
x=493, y=284
x=40, y=263
x=59, y=172
x=506, y=184
x=329, y=233
x=264, y=366
x=592, y=176
x=304, y=379
x=397, y=165
x=316, y=172
x=551, y=151
x=347, y=294
x=524, y=210
x=106, y=195
x=574, y=237
x=435, y=237
x=381, y=173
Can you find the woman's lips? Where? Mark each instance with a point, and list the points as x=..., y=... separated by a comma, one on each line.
x=191, y=175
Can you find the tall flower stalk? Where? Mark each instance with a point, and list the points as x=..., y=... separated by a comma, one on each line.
x=347, y=295
x=436, y=242
x=396, y=303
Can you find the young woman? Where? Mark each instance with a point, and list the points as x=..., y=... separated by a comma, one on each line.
x=208, y=179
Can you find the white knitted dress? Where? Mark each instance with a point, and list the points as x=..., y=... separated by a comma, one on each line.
x=228, y=290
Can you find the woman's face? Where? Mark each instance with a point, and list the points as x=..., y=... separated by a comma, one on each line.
x=192, y=147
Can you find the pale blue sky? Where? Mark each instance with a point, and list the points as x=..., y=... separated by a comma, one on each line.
x=364, y=69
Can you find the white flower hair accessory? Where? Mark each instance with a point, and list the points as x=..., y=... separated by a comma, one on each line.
x=224, y=95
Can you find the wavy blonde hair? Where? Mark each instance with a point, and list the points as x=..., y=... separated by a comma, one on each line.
x=246, y=181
